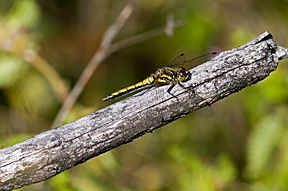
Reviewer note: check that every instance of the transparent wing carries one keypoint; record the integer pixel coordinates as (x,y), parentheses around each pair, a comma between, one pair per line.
(182,61)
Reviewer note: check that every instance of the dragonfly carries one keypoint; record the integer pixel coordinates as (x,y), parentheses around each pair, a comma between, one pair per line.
(163,76)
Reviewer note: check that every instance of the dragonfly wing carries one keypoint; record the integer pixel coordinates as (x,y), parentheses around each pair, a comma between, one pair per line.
(182,61)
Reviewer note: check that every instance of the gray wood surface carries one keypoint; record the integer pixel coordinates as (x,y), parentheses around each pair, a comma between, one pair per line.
(49,153)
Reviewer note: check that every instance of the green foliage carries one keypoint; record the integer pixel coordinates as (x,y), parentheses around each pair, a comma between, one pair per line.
(21,16)
(200,175)
(24,13)
(194,153)
(61,182)
(262,142)
(11,70)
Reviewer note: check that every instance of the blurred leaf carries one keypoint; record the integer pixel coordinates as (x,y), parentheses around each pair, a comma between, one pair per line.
(259,187)
(23,13)
(200,175)
(11,69)
(275,88)
(240,36)
(226,170)
(262,142)
(280,172)
(60,182)
(196,33)
(32,95)
(109,162)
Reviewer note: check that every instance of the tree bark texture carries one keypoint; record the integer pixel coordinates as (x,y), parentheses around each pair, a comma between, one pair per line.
(49,153)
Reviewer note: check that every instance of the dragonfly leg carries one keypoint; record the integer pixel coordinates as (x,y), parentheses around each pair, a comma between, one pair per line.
(169,90)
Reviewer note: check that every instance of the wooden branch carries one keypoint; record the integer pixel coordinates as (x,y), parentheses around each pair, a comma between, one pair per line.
(56,150)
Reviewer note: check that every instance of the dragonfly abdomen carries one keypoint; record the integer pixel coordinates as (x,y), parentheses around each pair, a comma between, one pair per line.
(162,76)
(148,81)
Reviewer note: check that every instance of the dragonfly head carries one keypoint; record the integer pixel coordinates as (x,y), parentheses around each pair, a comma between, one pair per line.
(183,75)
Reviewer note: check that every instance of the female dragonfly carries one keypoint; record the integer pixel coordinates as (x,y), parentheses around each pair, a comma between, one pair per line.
(162,76)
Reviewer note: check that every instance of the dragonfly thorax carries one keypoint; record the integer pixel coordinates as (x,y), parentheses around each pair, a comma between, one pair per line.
(169,75)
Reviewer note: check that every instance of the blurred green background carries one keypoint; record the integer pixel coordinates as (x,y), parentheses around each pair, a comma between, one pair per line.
(239,144)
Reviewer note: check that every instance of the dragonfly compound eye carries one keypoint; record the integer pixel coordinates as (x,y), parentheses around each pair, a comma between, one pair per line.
(183,75)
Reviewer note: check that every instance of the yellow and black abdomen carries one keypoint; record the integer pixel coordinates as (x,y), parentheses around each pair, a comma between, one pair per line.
(148,81)
(162,76)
